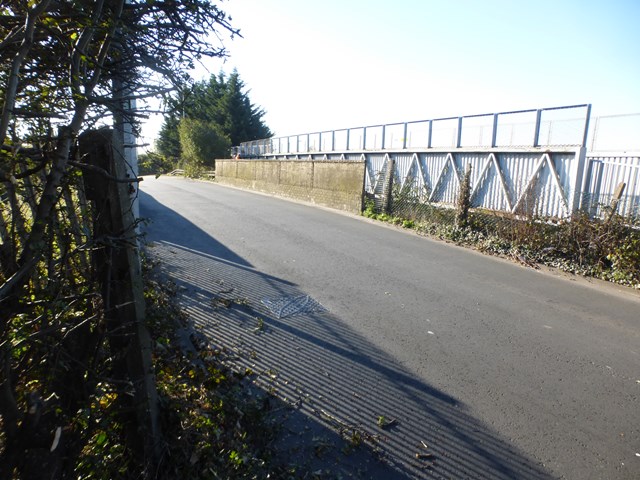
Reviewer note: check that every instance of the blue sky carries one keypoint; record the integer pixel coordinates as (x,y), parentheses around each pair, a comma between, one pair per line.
(320,65)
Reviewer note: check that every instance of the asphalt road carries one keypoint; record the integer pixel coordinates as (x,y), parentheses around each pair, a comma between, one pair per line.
(502,371)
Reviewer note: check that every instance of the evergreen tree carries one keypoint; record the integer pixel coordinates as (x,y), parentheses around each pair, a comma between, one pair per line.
(168,143)
(219,100)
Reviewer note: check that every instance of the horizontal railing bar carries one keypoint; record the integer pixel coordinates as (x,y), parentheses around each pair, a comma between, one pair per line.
(302,140)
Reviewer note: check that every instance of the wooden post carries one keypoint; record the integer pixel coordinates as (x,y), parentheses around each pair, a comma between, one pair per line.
(617,195)
(388,185)
(119,271)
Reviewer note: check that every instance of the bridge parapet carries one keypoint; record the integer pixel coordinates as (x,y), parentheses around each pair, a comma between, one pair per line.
(557,126)
(528,161)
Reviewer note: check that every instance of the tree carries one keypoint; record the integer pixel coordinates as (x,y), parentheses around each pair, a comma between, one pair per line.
(202,142)
(219,100)
(242,119)
(67,67)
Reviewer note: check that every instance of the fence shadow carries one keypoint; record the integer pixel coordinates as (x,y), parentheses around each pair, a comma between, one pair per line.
(342,391)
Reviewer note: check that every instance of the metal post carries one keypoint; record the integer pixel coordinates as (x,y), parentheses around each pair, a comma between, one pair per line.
(333,140)
(364,138)
(430,133)
(404,136)
(586,126)
(494,133)
(384,136)
(459,133)
(348,137)
(320,142)
(578,176)
(536,136)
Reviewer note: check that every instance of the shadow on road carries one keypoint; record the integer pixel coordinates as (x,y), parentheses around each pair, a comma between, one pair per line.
(341,389)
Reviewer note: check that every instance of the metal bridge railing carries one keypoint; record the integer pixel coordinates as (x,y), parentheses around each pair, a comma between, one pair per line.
(556,126)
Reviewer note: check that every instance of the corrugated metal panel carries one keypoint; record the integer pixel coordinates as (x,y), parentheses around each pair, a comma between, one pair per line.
(403,166)
(375,168)
(606,172)
(490,193)
(531,182)
(432,164)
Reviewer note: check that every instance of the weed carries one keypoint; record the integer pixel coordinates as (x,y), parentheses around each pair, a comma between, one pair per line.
(609,250)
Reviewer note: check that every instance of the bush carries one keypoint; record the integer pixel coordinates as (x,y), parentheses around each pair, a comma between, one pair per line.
(152,163)
(201,143)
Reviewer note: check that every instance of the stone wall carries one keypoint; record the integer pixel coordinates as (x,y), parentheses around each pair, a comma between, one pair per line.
(334,184)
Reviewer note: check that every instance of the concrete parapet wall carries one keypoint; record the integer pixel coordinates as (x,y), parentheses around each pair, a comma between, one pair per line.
(334,184)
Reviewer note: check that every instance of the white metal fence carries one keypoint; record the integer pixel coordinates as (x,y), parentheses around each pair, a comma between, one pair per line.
(556,126)
(531,161)
(545,184)
(605,172)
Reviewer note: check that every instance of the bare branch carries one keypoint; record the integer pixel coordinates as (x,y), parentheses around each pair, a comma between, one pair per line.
(104,173)
(12,84)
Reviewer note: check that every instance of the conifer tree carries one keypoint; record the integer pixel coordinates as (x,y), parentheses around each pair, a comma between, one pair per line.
(220,100)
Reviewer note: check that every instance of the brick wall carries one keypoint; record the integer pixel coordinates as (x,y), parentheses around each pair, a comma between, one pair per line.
(335,184)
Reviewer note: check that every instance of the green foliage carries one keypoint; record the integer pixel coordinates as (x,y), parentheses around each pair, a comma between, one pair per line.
(220,101)
(65,372)
(152,163)
(168,142)
(370,208)
(202,142)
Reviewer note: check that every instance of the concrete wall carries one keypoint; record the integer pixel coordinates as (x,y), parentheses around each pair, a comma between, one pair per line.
(335,184)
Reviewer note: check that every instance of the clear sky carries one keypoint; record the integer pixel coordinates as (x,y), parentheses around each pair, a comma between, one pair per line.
(327,64)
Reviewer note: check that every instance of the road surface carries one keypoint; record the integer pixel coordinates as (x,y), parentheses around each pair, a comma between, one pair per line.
(400,341)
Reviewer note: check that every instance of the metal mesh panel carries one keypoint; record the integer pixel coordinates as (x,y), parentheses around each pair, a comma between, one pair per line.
(477,131)
(615,133)
(394,138)
(418,135)
(516,129)
(374,138)
(562,127)
(444,133)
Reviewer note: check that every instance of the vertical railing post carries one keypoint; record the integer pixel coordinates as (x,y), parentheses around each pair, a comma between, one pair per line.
(587,119)
(384,136)
(578,184)
(308,142)
(536,136)
(430,134)
(348,138)
(494,132)
(333,140)
(404,136)
(320,142)
(459,133)
(364,138)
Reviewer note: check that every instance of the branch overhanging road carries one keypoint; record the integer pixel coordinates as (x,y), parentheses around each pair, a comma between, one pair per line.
(500,370)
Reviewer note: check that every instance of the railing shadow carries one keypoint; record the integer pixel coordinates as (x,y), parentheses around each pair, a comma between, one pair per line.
(336,382)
